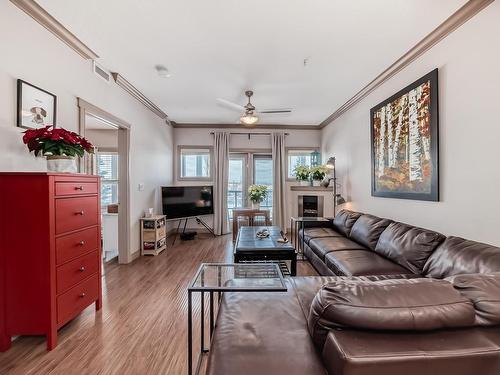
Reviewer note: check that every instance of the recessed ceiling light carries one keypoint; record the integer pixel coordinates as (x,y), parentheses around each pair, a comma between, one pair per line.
(162,71)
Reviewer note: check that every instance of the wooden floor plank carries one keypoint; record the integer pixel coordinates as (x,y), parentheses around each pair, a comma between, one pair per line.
(142,328)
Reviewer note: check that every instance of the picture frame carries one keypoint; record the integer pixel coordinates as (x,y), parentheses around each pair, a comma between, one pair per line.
(404,134)
(36,107)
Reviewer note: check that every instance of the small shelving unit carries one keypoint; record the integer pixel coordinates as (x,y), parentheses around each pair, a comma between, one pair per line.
(153,235)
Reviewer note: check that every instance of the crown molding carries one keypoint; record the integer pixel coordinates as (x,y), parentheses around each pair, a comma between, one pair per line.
(457,19)
(133,91)
(40,15)
(241,126)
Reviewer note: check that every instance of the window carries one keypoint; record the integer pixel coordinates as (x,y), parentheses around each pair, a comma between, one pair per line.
(263,175)
(298,157)
(194,163)
(107,168)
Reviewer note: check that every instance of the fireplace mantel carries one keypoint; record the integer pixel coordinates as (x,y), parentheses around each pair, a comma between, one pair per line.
(310,188)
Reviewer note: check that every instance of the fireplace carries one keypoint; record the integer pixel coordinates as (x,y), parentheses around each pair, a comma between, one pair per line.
(310,206)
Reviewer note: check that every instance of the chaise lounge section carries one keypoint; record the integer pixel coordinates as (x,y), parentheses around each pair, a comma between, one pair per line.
(444,293)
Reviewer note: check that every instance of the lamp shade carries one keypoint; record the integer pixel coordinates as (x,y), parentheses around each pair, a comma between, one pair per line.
(331,163)
(249,119)
(340,199)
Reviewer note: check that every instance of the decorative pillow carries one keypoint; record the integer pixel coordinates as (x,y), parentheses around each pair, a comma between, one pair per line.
(344,221)
(408,246)
(367,230)
(412,305)
(484,292)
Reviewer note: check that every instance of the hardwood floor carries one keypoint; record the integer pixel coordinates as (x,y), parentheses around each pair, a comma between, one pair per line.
(142,326)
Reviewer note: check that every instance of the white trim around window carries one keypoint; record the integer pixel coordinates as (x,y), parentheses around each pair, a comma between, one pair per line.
(194,150)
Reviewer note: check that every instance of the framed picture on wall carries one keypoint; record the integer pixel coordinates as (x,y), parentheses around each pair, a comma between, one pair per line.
(405,142)
(36,107)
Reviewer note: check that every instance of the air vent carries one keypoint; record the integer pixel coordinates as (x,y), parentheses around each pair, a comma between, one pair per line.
(101,72)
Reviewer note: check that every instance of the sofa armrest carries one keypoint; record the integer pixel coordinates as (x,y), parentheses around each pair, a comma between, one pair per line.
(388,305)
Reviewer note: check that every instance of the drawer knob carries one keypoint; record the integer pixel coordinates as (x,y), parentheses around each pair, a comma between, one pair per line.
(81,243)
(82,268)
(79,188)
(81,213)
(82,295)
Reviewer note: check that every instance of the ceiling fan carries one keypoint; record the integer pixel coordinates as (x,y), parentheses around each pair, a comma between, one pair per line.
(249,116)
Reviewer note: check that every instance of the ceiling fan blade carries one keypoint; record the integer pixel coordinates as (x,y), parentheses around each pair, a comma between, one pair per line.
(276,111)
(230,105)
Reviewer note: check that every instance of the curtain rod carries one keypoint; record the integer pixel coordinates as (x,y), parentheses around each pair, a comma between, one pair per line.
(241,133)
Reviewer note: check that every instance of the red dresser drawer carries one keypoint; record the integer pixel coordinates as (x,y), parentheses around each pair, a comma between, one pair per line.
(75,213)
(76,188)
(76,299)
(76,244)
(73,272)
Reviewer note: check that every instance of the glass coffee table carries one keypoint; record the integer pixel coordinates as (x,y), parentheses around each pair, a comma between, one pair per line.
(218,278)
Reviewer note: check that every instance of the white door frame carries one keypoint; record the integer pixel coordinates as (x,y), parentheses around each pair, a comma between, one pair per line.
(88,109)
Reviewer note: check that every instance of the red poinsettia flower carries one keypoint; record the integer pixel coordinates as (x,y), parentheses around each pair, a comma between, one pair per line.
(50,141)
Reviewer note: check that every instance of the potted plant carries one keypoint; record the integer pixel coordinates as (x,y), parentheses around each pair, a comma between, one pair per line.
(302,174)
(59,146)
(318,174)
(257,194)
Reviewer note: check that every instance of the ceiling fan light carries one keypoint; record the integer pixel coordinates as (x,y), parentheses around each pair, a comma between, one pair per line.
(249,119)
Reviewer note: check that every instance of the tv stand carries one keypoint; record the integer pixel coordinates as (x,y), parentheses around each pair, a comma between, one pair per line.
(200,221)
(185,219)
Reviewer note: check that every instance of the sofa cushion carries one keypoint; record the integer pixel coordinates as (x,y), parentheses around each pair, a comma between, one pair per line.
(396,305)
(457,256)
(306,287)
(322,246)
(344,221)
(442,352)
(310,233)
(408,246)
(262,333)
(484,292)
(317,262)
(367,230)
(362,262)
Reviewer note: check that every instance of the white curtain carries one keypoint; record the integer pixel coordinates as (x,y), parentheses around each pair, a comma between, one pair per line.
(279,188)
(221,175)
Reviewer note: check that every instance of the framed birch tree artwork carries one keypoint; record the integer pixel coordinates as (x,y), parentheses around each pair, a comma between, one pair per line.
(405,142)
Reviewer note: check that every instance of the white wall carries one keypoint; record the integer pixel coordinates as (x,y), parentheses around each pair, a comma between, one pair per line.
(469,95)
(103,139)
(31,53)
(296,138)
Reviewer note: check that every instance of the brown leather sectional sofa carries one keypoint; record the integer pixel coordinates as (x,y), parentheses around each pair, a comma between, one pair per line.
(392,299)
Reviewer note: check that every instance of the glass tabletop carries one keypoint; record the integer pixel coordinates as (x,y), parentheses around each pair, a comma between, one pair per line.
(239,277)
(310,218)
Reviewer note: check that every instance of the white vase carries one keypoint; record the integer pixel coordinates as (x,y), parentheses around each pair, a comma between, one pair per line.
(316,182)
(304,183)
(61,164)
(256,205)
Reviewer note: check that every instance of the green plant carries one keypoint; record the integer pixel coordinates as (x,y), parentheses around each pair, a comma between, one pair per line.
(257,193)
(302,172)
(319,172)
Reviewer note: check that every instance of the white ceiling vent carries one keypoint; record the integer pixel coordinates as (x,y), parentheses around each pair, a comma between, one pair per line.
(101,72)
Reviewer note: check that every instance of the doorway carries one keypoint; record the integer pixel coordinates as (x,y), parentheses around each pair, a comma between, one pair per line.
(245,169)
(111,137)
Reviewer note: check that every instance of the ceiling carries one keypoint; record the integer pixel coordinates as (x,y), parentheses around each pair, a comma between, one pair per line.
(218,49)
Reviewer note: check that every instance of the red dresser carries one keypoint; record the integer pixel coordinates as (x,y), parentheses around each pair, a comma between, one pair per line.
(50,250)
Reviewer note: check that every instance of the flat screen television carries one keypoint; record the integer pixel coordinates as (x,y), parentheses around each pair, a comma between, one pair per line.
(187,201)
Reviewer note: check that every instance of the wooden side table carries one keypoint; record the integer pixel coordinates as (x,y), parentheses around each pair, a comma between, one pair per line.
(251,214)
(153,235)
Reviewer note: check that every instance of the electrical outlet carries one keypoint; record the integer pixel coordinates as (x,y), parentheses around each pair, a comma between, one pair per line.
(141,187)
